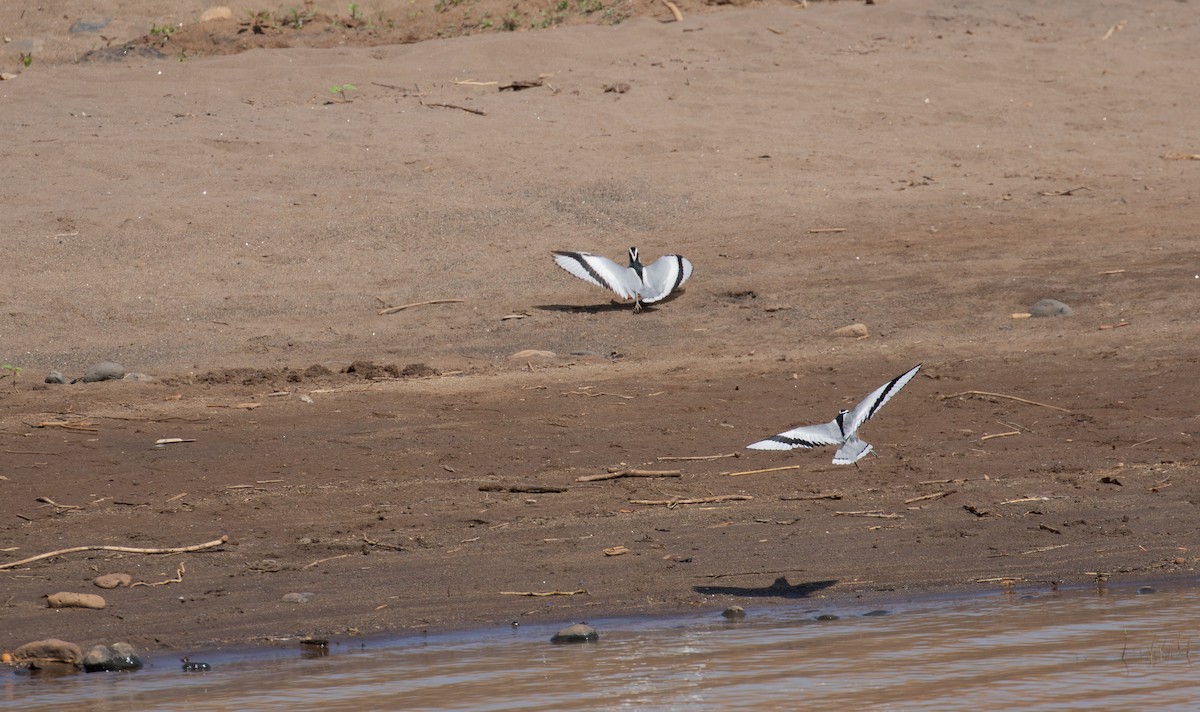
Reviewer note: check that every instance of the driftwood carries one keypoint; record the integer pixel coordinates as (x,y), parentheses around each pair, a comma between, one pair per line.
(402,307)
(628,473)
(525,489)
(1001,395)
(583,591)
(803,497)
(122,549)
(666,458)
(178,578)
(875,513)
(769,469)
(674,10)
(935,495)
(697,500)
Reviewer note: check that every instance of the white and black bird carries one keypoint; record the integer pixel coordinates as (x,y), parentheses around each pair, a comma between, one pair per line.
(646,284)
(842,430)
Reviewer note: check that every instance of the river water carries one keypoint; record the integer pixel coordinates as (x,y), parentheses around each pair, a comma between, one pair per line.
(1119,649)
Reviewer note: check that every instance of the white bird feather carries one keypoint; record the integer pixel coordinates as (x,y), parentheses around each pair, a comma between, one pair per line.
(644,284)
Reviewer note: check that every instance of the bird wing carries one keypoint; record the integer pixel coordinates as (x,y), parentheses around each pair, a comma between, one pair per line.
(600,271)
(806,436)
(851,451)
(867,406)
(663,276)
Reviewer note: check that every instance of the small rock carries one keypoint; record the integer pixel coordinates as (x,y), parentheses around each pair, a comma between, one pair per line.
(1050,307)
(827,617)
(50,650)
(138,377)
(90,24)
(297,597)
(854,331)
(120,657)
(56,377)
(1179,561)
(876,612)
(218,12)
(578,633)
(103,371)
(112,580)
(734,613)
(1145,590)
(532,353)
(67,599)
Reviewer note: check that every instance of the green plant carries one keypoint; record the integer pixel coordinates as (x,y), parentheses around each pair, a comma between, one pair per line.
(26,59)
(298,17)
(355,12)
(162,32)
(14,371)
(511,21)
(342,89)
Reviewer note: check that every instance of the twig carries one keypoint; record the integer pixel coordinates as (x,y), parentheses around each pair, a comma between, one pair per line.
(1062,193)
(122,549)
(953,481)
(1026,499)
(583,591)
(525,489)
(826,495)
(80,425)
(402,307)
(666,458)
(769,469)
(818,230)
(178,578)
(473,83)
(628,473)
(1143,442)
(935,495)
(469,110)
(380,544)
(872,513)
(1001,395)
(321,561)
(28,452)
(1007,580)
(699,500)
(1000,435)
(593,395)
(674,10)
(52,503)
(1040,549)
(1106,327)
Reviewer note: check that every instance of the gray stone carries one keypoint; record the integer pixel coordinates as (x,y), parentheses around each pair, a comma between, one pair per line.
(1050,307)
(103,371)
(90,24)
(56,377)
(734,613)
(578,633)
(297,597)
(121,657)
(138,377)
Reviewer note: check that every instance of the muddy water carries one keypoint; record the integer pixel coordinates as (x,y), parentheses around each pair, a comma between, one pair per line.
(1086,650)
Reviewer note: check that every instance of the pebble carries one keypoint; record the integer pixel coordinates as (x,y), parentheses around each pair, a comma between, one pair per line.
(1050,307)
(103,371)
(121,657)
(876,612)
(297,597)
(56,377)
(138,377)
(827,617)
(1143,590)
(532,353)
(853,331)
(50,650)
(218,12)
(89,24)
(112,580)
(734,612)
(67,599)
(578,633)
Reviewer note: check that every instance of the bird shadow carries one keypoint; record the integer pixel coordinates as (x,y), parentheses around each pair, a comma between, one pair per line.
(779,588)
(612,306)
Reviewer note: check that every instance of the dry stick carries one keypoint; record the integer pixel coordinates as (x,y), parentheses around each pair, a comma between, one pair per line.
(769,469)
(935,495)
(826,495)
(872,513)
(1000,435)
(818,230)
(1044,548)
(698,500)
(944,482)
(1026,499)
(28,452)
(628,473)
(52,503)
(178,578)
(122,549)
(584,591)
(402,307)
(321,561)
(674,10)
(469,110)
(1143,442)
(666,458)
(593,395)
(1001,395)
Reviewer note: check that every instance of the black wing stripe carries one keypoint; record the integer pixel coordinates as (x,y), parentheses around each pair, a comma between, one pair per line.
(588,268)
(795,442)
(678,273)
(883,396)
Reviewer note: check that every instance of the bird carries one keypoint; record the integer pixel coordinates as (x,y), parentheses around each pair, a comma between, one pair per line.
(842,430)
(645,284)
